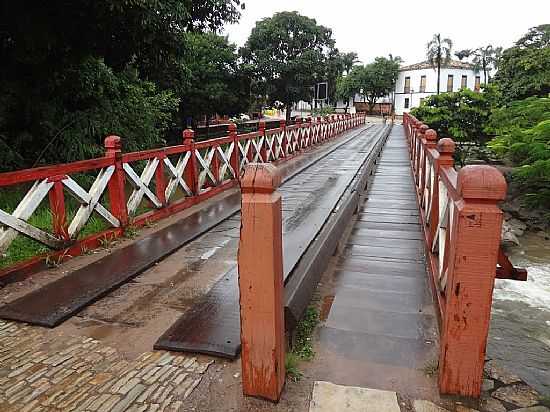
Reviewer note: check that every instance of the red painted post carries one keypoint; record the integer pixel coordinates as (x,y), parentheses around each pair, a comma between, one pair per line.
(445,160)
(420,152)
(57,207)
(261,288)
(282,125)
(160,180)
(116,189)
(191,175)
(235,157)
(263,148)
(320,133)
(476,230)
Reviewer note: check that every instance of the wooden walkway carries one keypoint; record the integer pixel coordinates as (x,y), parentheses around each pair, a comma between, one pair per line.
(380,330)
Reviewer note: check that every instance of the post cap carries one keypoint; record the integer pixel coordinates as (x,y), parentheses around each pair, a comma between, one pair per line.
(446,146)
(260,178)
(423,127)
(481,182)
(430,135)
(188,134)
(113,142)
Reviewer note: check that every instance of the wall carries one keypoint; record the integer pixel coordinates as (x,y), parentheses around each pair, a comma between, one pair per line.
(431,85)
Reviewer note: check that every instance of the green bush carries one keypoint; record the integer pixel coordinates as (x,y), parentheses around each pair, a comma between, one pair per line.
(462,116)
(522,132)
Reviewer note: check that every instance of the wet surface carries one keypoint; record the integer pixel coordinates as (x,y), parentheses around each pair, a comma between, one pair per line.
(308,198)
(380,330)
(59,300)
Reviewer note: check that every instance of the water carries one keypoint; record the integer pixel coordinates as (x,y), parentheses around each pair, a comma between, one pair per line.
(520,326)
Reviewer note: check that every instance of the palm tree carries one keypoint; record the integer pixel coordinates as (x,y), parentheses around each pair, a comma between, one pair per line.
(439,53)
(349,60)
(485,59)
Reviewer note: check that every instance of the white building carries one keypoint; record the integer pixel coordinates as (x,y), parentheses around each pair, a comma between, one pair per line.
(418,81)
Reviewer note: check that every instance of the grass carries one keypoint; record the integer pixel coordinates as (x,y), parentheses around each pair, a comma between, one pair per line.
(291,366)
(431,367)
(23,248)
(302,344)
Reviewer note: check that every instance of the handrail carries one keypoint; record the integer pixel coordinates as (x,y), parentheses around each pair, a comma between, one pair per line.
(462,228)
(138,187)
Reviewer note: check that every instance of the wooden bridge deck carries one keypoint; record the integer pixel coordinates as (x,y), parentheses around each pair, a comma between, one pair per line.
(381,328)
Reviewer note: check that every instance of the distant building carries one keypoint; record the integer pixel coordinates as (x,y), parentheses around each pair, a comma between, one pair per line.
(418,81)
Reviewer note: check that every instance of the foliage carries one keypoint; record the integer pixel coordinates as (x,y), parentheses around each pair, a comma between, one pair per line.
(438,53)
(74,72)
(349,60)
(376,79)
(286,54)
(302,345)
(461,115)
(523,136)
(524,69)
(484,59)
(291,367)
(211,63)
(322,111)
(345,89)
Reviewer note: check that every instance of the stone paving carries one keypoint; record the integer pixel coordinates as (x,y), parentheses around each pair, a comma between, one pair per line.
(41,372)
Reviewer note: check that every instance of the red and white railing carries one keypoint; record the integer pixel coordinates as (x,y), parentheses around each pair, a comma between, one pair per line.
(148,185)
(462,229)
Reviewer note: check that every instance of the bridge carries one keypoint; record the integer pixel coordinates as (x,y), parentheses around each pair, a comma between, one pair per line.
(412,245)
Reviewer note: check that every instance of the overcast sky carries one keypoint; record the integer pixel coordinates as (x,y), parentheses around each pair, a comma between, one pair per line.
(377,28)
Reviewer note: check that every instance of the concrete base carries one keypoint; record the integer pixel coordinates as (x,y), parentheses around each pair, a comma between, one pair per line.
(328,397)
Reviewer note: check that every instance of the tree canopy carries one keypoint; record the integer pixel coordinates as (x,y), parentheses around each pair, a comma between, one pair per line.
(287,54)
(375,80)
(73,72)
(524,69)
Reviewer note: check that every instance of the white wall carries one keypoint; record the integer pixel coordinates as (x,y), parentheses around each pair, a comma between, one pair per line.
(431,85)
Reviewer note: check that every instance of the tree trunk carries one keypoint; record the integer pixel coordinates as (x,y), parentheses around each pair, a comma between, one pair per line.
(288,112)
(438,73)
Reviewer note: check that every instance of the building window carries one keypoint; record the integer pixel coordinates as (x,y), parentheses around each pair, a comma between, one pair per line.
(406,102)
(464,82)
(422,84)
(450,83)
(407,85)
(478,83)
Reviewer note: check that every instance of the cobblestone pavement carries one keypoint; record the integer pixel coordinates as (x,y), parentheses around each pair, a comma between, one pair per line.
(41,372)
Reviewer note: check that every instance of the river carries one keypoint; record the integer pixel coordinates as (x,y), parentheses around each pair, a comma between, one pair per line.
(519,338)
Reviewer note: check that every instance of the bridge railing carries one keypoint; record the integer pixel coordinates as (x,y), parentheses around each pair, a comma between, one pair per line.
(136,188)
(462,228)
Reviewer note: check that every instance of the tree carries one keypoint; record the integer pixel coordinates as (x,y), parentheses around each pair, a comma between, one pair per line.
(376,79)
(209,78)
(439,54)
(484,59)
(287,53)
(73,72)
(461,115)
(522,136)
(524,69)
(349,60)
(346,89)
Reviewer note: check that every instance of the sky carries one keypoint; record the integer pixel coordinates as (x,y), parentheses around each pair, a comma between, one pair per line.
(402,28)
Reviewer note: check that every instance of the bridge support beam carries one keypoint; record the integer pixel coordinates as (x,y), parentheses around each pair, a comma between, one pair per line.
(261,287)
